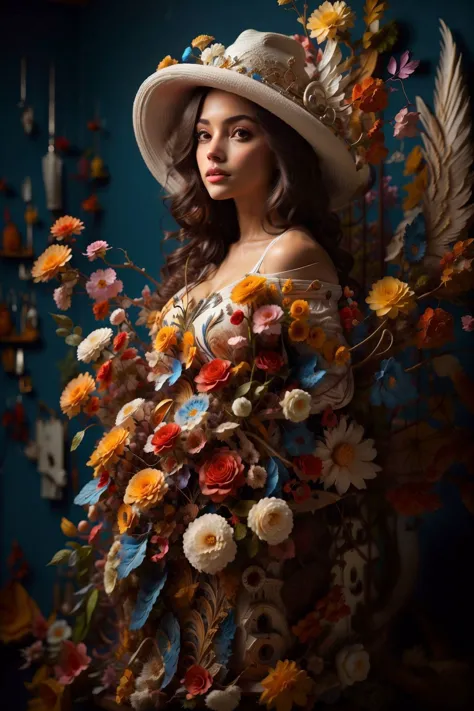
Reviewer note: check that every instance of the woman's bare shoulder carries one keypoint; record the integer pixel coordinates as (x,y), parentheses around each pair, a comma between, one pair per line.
(297,250)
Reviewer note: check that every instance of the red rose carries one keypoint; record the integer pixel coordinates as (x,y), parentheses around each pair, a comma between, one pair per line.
(237,317)
(310,466)
(197,680)
(271,361)
(213,375)
(120,340)
(221,475)
(329,417)
(165,437)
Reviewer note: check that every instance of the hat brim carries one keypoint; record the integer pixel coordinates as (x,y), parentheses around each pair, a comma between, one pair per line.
(163,96)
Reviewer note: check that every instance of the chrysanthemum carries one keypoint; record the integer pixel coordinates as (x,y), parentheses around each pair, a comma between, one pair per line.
(146,488)
(66,227)
(166,338)
(110,448)
(208,543)
(347,457)
(329,19)
(125,518)
(91,347)
(76,394)
(285,686)
(271,519)
(299,309)
(167,61)
(96,249)
(104,285)
(390,296)
(50,262)
(248,289)
(192,412)
(132,409)
(298,330)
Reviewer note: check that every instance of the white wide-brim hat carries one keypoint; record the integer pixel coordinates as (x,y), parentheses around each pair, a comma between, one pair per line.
(277,59)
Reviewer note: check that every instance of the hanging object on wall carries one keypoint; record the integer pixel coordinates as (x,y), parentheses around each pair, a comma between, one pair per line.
(11,243)
(48,450)
(31,215)
(52,163)
(27,115)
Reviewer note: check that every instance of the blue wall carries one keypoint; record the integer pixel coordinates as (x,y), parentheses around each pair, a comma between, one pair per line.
(103,52)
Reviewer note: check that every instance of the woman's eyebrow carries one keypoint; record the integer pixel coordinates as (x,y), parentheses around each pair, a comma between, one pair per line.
(230,119)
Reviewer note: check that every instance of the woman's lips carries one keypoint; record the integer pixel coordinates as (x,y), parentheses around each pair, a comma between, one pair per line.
(216,178)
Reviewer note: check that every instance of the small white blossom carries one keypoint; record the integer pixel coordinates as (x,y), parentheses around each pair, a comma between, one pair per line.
(242,407)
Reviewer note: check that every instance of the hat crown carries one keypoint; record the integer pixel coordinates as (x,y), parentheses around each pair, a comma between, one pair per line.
(279,58)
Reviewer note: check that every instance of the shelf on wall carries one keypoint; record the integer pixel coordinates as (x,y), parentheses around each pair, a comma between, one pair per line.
(24,254)
(17,339)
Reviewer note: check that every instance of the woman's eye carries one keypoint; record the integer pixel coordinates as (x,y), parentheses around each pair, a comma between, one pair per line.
(199,134)
(244,134)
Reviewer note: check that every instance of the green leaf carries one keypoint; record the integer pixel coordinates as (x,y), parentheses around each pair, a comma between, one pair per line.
(240,531)
(73,339)
(74,544)
(77,439)
(243,389)
(253,546)
(80,628)
(91,605)
(242,508)
(61,556)
(62,332)
(62,321)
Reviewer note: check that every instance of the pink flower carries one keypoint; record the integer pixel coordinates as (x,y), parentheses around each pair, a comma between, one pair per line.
(237,341)
(195,440)
(467,322)
(405,124)
(32,653)
(72,661)
(313,55)
(163,546)
(104,285)
(96,249)
(62,298)
(266,319)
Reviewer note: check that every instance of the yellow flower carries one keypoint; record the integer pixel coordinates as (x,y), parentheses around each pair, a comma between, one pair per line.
(316,337)
(287,286)
(329,349)
(48,694)
(285,686)
(329,19)
(284,2)
(125,687)
(168,61)
(298,331)
(342,356)
(146,488)
(286,301)
(415,189)
(68,528)
(125,518)
(166,338)
(389,296)
(50,262)
(17,612)
(241,368)
(247,290)
(76,394)
(299,309)
(109,449)
(202,41)
(413,161)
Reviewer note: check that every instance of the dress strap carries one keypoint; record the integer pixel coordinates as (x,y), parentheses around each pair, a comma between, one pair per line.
(256,268)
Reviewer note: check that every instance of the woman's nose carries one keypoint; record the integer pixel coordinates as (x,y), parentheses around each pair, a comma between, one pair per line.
(215,152)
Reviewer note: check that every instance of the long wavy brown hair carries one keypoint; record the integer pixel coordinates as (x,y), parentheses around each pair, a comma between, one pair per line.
(207,227)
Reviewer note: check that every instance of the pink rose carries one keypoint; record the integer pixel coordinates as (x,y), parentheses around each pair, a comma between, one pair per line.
(405,124)
(266,319)
(72,661)
(197,680)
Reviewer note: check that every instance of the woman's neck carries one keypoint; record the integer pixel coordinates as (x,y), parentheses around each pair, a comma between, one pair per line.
(251,215)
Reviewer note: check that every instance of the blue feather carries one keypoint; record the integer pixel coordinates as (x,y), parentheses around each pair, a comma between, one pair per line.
(224,638)
(132,553)
(150,588)
(304,371)
(91,492)
(169,643)
(277,474)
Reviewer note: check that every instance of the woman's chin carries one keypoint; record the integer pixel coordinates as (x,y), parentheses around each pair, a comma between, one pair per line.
(220,192)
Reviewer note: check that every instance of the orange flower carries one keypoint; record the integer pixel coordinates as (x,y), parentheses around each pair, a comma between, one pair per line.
(66,227)
(76,394)
(329,349)
(287,286)
(104,374)
(241,368)
(247,290)
(273,292)
(50,262)
(414,499)
(197,681)
(342,356)
(166,338)
(461,246)
(213,375)
(125,687)
(91,204)
(120,340)
(375,132)
(17,612)
(286,301)
(146,488)
(168,61)
(413,161)
(298,331)
(110,449)
(316,337)
(165,437)
(188,348)
(299,309)
(308,628)
(285,686)
(435,328)
(389,296)
(101,310)
(370,94)
(125,518)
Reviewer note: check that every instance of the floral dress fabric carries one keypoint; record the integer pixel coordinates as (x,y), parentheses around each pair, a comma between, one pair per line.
(209,321)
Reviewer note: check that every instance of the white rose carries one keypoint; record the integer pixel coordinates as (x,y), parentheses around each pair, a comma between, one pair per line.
(271,519)
(208,543)
(352,664)
(242,407)
(226,700)
(296,405)
(117,317)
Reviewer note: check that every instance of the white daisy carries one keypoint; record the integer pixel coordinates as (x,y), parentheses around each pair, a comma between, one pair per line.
(347,457)
(208,543)
(213,53)
(132,410)
(58,632)
(92,346)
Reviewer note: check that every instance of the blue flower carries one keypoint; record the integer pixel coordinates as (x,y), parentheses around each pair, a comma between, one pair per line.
(415,240)
(187,54)
(299,440)
(191,412)
(306,373)
(392,385)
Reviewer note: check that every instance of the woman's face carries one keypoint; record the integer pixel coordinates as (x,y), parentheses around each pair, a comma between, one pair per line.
(230,140)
